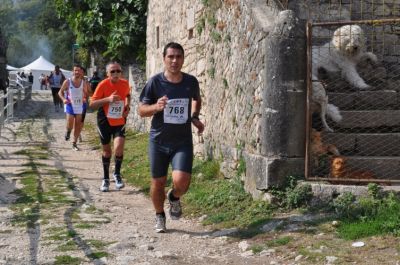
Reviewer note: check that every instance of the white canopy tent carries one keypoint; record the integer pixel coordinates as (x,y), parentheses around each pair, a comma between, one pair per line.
(11,68)
(41,66)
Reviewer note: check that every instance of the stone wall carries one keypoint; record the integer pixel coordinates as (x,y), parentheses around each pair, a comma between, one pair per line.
(226,44)
(137,81)
(250,59)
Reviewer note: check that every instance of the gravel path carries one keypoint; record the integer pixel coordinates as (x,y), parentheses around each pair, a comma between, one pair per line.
(68,217)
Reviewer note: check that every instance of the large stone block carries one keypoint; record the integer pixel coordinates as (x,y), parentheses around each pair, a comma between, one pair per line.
(265,172)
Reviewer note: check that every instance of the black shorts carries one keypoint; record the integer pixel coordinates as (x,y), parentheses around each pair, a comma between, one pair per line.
(106,131)
(180,155)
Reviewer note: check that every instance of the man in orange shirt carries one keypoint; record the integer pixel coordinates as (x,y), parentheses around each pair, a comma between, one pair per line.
(112,97)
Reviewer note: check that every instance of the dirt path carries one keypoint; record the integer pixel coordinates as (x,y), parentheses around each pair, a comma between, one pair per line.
(67,217)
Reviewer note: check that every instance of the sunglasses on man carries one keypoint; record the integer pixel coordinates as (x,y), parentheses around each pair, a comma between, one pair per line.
(115,71)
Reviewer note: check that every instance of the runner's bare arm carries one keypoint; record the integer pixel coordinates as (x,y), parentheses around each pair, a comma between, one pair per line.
(94,104)
(147,110)
(196,107)
(62,90)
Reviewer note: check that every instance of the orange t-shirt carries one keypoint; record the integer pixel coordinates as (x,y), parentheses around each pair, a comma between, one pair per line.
(104,89)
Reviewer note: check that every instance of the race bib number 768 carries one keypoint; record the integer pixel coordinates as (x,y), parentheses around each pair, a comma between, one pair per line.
(176,111)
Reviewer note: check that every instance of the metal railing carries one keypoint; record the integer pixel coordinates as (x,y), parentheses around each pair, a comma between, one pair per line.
(19,91)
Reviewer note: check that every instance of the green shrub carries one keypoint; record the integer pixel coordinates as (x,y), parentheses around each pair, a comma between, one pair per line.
(299,196)
(291,195)
(344,204)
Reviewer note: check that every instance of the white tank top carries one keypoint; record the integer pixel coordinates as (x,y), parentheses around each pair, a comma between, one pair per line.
(75,95)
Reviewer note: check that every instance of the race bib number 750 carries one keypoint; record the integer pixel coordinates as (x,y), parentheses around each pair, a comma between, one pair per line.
(115,110)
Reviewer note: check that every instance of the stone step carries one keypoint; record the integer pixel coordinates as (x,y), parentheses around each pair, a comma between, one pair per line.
(369,119)
(383,167)
(366,100)
(365,144)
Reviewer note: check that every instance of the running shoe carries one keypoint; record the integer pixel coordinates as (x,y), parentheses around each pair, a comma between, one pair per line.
(75,147)
(160,224)
(105,185)
(175,209)
(119,184)
(67,135)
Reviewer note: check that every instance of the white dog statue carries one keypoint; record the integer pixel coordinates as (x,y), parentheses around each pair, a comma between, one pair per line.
(340,55)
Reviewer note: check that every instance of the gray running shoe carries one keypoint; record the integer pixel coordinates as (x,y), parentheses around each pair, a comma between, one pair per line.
(105,185)
(75,147)
(175,209)
(119,184)
(160,224)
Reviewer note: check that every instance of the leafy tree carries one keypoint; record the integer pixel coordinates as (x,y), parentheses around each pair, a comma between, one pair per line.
(32,28)
(114,29)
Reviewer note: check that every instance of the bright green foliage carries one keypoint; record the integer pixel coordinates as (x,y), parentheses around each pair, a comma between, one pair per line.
(115,29)
(224,201)
(368,215)
(292,194)
(32,28)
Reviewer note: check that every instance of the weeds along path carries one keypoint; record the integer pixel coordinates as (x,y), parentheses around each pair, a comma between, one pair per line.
(52,212)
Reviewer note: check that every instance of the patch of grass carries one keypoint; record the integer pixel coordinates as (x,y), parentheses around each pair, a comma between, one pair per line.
(215,36)
(98,244)
(225,83)
(58,235)
(68,246)
(71,233)
(370,215)
(33,154)
(291,194)
(136,166)
(257,248)
(67,260)
(211,72)
(225,202)
(201,25)
(279,241)
(98,255)
(282,241)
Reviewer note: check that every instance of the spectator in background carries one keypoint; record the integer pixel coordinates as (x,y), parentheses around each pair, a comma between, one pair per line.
(3,85)
(94,81)
(30,78)
(23,75)
(56,79)
(42,82)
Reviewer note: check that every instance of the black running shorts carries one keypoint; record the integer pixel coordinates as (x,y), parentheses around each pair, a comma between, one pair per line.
(106,131)
(180,155)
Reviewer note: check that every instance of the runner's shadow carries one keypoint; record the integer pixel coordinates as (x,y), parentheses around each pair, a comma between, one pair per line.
(7,187)
(179,231)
